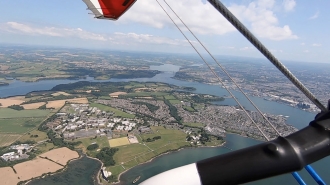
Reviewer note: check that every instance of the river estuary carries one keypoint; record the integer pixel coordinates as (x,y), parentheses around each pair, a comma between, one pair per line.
(297,117)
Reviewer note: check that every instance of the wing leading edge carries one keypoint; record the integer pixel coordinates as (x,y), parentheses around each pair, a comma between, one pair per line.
(109,9)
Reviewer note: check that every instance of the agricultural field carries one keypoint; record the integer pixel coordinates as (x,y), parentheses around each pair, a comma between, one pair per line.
(27,71)
(11,101)
(117,112)
(8,176)
(32,106)
(7,139)
(175,101)
(19,125)
(35,168)
(11,113)
(119,142)
(116,94)
(40,165)
(60,93)
(14,124)
(60,155)
(56,104)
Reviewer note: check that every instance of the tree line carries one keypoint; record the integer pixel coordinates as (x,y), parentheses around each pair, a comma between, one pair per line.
(173,111)
(106,156)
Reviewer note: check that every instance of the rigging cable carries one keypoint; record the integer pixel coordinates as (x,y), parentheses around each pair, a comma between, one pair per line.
(215,74)
(295,174)
(248,35)
(225,71)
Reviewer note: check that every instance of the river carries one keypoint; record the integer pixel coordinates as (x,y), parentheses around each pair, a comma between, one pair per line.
(297,117)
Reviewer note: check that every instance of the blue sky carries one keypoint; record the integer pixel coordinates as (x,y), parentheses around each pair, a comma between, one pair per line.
(292,30)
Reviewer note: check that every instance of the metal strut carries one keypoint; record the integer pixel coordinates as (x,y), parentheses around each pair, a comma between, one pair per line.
(248,35)
(280,156)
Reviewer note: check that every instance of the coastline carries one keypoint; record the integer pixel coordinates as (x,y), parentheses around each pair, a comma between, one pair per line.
(98,180)
(165,153)
(54,173)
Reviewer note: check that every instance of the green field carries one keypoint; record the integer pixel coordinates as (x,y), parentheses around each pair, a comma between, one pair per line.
(13,124)
(214,142)
(117,112)
(119,142)
(10,113)
(169,97)
(44,147)
(167,136)
(29,136)
(105,98)
(116,170)
(134,154)
(130,164)
(128,152)
(7,139)
(19,125)
(175,101)
(188,108)
(134,85)
(101,141)
(200,125)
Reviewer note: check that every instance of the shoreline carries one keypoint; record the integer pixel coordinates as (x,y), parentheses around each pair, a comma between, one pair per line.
(132,79)
(165,153)
(99,171)
(54,173)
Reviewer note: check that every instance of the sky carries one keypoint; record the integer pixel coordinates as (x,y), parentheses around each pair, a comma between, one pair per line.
(292,30)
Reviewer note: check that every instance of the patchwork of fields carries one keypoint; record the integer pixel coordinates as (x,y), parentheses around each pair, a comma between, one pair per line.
(14,124)
(17,124)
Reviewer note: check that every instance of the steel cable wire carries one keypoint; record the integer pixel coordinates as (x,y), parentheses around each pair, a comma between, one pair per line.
(264,135)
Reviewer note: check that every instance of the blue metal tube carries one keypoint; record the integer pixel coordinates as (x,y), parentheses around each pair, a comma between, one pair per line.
(315,176)
(298,178)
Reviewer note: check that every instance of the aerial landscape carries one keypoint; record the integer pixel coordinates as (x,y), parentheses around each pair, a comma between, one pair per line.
(123,124)
(89,101)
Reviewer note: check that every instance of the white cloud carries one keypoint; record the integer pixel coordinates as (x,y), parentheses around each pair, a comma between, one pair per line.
(306,51)
(115,38)
(133,38)
(316,15)
(289,5)
(202,18)
(20,28)
(316,45)
(303,44)
(263,20)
